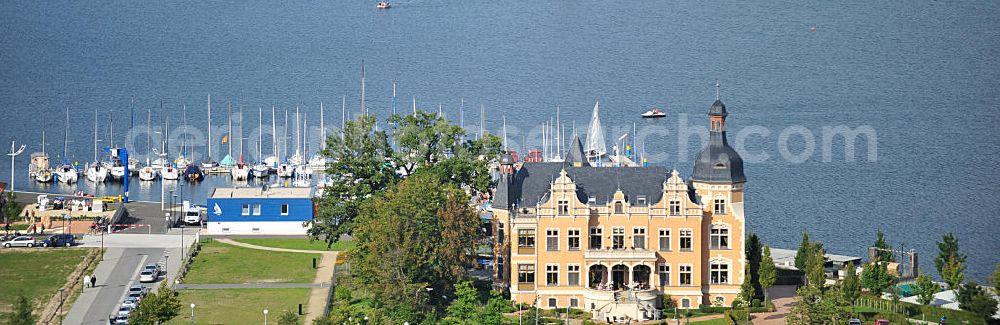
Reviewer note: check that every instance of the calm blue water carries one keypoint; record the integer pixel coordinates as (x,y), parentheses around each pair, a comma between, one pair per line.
(923,75)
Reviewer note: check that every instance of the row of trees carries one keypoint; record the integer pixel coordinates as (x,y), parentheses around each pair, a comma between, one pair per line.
(821,304)
(407,207)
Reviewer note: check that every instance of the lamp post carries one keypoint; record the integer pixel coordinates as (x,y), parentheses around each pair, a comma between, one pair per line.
(61,300)
(173,200)
(265,316)
(166,266)
(13,153)
(192,313)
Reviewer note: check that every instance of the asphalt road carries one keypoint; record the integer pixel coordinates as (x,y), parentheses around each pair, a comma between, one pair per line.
(119,270)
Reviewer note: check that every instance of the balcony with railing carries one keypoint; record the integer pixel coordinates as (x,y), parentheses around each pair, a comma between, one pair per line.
(620,254)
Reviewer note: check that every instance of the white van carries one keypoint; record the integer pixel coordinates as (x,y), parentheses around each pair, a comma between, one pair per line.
(192,214)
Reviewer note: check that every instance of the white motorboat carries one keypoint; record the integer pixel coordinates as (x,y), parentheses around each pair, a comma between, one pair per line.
(181,162)
(240,172)
(133,166)
(383,5)
(260,170)
(654,113)
(117,169)
(169,172)
(304,170)
(67,174)
(97,173)
(285,170)
(43,175)
(39,161)
(147,173)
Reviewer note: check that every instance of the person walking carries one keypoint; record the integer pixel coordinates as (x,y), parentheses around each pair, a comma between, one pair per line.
(86,281)
(93,281)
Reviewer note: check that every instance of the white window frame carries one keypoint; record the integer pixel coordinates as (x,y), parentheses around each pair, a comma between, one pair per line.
(715,275)
(599,234)
(573,269)
(552,236)
(285,209)
(716,239)
(719,205)
(573,233)
(635,235)
(614,234)
(562,207)
(670,207)
(659,239)
(255,208)
(681,272)
(552,269)
(246,209)
(690,235)
(660,270)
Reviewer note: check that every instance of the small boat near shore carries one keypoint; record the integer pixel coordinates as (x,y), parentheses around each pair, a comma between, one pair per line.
(383,5)
(654,113)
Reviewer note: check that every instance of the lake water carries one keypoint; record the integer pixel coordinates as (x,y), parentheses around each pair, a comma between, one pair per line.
(921,75)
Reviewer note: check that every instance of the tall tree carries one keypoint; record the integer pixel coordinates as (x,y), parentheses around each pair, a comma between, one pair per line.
(466,305)
(10,209)
(883,252)
(818,307)
(947,247)
(768,273)
(851,286)
(876,277)
(804,252)
(496,306)
(925,288)
(816,268)
(747,289)
(953,272)
(157,308)
(753,253)
(22,312)
(973,298)
(363,168)
(995,280)
(398,257)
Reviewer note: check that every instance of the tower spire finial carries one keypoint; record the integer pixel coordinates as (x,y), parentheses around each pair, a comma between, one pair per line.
(717,89)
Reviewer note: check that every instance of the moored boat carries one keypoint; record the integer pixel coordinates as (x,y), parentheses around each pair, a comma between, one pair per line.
(654,113)
(383,5)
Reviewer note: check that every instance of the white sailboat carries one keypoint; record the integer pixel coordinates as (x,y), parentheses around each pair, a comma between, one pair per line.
(43,173)
(272,160)
(285,169)
(148,172)
(96,172)
(168,171)
(318,161)
(260,169)
(66,173)
(303,169)
(596,147)
(115,166)
(133,161)
(209,163)
(182,161)
(241,171)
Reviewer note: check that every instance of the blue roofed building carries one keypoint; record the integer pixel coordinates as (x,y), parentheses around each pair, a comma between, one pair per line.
(260,211)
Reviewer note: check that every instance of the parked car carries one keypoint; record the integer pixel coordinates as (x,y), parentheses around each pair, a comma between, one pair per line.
(155,268)
(881,321)
(21,241)
(121,320)
(124,311)
(138,288)
(134,295)
(59,240)
(854,321)
(130,303)
(147,276)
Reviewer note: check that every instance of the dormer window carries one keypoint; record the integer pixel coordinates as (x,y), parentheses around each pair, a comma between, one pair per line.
(720,166)
(640,200)
(591,200)
(619,208)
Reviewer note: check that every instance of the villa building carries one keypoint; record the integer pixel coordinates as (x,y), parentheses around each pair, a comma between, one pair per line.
(612,240)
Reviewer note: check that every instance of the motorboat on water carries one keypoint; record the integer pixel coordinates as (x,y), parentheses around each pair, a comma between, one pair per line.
(39,161)
(654,113)
(285,170)
(97,172)
(193,173)
(240,172)
(117,170)
(383,5)
(260,170)
(170,173)
(133,166)
(147,173)
(44,175)
(66,174)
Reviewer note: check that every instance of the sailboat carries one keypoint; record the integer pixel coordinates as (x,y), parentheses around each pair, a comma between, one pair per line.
(43,173)
(303,169)
(260,169)
(148,172)
(285,169)
(241,171)
(66,173)
(168,170)
(115,165)
(209,163)
(318,162)
(96,172)
(596,147)
(182,162)
(272,160)
(133,163)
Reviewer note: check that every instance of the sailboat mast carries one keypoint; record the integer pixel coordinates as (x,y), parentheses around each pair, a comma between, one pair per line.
(505,134)
(558,135)
(482,120)
(305,135)
(298,137)
(66,138)
(241,133)
(149,132)
(461,117)
(209,140)
(322,128)
(184,119)
(95,135)
(229,116)
(393,98)
(131,123)
(364,110)
(274,134)
(260,133)
(284,139)
(414,105)
(343,117)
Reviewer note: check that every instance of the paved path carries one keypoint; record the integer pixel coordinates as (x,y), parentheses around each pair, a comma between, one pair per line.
(783,298)
(254,286)
(124,257)
(324,274)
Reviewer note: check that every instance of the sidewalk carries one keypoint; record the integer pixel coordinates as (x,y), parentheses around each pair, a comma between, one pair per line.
(324,274)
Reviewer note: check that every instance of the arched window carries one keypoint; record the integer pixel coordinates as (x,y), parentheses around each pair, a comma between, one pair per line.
(619,208)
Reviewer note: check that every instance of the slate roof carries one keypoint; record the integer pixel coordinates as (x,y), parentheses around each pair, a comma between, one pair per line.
(718,109)
(575,154)
(531,183)
(718,162)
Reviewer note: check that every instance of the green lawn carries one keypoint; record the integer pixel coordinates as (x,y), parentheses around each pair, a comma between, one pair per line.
(222,263)
(717,321)
(238,306)
(35,273)
(298,243)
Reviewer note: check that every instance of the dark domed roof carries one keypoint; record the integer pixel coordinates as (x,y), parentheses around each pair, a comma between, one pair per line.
(718,109)
(718,162)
